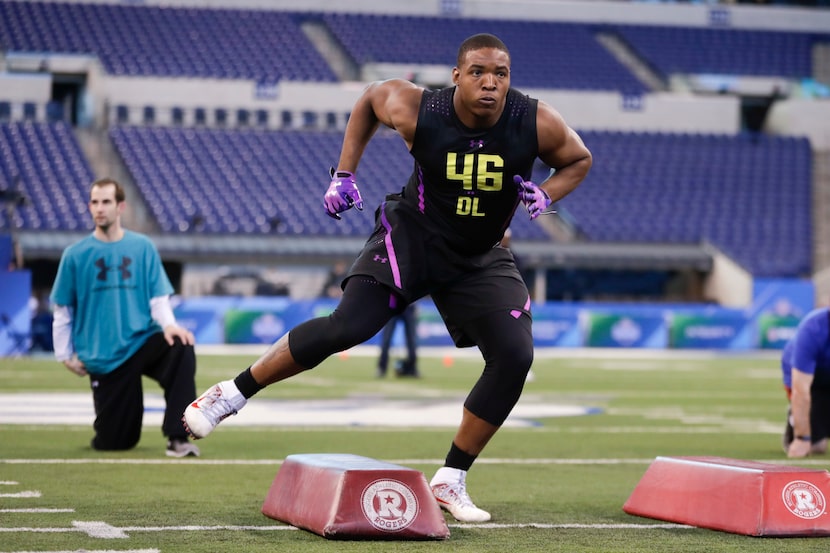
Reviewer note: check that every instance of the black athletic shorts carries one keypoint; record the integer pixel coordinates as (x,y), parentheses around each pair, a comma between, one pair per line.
(414,261)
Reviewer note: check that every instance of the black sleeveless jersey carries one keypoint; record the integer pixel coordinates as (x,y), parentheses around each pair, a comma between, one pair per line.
(463,178)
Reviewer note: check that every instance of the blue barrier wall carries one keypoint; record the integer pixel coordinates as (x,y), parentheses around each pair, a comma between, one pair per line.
(15,315)
(767,324)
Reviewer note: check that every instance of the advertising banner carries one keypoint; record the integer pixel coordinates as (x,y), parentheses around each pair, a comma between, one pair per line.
(775,330)
(431,330)
(620,330)
(704,331)
(556,326)
(253,327)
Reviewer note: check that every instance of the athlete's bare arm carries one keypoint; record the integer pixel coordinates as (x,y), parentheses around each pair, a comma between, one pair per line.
(562,149)
(800,403)
(393,103)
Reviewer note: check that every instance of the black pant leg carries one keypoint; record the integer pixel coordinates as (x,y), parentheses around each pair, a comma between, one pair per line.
(119,408)
(174,368)
(411,328)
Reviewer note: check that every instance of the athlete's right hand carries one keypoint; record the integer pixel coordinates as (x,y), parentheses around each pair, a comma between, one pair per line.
(342,194)
(536,200)
(76,366)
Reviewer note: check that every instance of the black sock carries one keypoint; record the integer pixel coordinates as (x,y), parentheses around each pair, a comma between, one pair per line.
(246,383)
(458,459)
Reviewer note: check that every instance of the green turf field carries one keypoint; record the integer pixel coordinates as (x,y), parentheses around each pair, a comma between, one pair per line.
(556,486)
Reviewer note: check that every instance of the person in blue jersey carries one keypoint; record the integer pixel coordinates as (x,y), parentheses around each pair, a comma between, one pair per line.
(805,368)
(114,323)
(474,145)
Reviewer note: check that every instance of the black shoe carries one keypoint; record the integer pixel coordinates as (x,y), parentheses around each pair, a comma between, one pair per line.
(406,369)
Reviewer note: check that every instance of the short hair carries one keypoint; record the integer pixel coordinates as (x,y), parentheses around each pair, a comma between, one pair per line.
(120,195)
(477,42)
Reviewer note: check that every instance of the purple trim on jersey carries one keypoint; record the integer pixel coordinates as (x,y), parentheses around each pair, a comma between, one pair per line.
(516,313)
(393,301)
(421,203)
(390,248)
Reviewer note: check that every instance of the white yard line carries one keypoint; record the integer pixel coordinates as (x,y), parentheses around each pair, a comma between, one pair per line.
(480,461)
(105,531)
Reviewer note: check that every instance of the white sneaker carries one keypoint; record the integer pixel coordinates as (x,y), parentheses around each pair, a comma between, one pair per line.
(218,403)
(181,448)
(450,490)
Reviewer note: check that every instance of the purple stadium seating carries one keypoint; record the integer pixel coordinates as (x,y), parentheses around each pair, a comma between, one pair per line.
(723,51)
(749,195)
(46,164)
(543,54)
(259,182)
(266,46)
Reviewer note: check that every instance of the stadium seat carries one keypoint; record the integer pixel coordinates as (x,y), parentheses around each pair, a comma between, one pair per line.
(148,115)
(261,118)
(220,116)
(177,116)
(243,117)
(29,111)
(122,114)
(200,116)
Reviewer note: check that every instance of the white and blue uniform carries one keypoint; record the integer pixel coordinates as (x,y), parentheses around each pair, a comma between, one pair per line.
(809,352)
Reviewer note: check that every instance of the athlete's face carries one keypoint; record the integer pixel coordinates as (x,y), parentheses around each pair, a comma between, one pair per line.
(103,206)
(481,86)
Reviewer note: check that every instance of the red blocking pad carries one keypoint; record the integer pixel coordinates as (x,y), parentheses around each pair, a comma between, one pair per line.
(743,497)
(343,496)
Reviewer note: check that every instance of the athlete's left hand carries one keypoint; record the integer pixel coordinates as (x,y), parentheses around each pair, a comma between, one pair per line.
(535,199)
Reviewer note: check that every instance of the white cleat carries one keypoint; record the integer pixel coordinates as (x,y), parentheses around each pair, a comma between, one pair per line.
(450,490)
(215,405)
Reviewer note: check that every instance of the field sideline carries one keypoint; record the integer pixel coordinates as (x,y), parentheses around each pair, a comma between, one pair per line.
(554,481)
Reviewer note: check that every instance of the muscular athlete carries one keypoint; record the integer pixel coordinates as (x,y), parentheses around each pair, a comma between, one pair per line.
(473,145)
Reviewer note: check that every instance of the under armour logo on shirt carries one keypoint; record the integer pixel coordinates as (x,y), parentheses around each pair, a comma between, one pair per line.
(476,143)
(103,268)
(380,259)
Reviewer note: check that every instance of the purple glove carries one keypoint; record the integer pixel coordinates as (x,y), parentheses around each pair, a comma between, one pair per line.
(342,194)
(535,199)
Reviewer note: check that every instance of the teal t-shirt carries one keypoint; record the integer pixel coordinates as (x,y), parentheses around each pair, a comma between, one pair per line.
(109,286)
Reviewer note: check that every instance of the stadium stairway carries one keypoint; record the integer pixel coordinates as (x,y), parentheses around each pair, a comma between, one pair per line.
(105,162)
(821,62)
(618,48)
(343,65)
(821,211)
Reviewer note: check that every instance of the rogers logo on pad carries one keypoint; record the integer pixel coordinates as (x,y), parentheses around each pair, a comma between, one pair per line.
(803,499)
(389,505)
